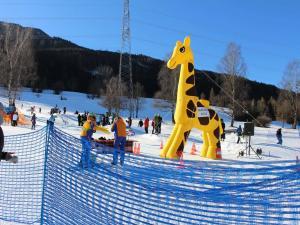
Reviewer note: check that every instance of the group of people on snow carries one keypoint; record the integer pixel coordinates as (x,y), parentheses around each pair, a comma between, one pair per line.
(155,123)
(90,126)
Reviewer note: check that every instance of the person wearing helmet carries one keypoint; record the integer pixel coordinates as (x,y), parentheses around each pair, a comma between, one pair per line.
(88,128)
(119,127)
(7,156)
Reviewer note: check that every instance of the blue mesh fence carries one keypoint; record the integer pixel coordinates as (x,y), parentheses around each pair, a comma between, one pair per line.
(147,190)
(21,184)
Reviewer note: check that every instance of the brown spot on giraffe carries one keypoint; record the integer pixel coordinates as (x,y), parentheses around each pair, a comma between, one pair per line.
(191,108)
(217,132)
(186,135)
(211,113)
(190,67)
(216,117)
(192,91)
(190,79)
(190,114)
(199,104)
(203,120)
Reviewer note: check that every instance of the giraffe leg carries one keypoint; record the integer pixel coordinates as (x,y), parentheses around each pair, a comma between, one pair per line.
(214,143)
(179,141)
(205,144)
(169,142)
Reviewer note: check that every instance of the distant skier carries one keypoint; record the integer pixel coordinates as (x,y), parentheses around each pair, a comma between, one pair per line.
(141,123)
(15,119)
(88,128)
(129,121)
(79,119)
(223,127)
(153,125)
(7,156)
(239,133)
(279,136)
(146,125)
(33,121)
(159,119)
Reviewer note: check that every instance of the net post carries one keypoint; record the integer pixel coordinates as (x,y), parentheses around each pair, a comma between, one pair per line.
(49,130)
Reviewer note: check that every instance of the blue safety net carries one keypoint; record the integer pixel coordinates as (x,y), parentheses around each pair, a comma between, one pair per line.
(21,184)
(146,190)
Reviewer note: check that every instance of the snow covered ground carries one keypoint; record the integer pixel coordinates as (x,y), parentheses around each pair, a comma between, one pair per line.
(264,138)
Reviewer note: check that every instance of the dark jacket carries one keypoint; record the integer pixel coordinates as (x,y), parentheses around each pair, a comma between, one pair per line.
(1,140)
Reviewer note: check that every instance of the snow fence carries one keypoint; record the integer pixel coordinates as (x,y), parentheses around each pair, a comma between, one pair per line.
(48,186)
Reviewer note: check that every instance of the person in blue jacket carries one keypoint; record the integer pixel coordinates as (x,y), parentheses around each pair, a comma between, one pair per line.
(239,133)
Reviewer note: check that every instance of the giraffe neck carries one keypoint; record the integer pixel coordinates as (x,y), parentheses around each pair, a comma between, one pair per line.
(186,85)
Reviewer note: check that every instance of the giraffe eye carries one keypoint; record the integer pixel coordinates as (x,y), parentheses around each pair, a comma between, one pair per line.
(182,49)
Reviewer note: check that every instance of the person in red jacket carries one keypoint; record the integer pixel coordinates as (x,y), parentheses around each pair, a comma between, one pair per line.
(119,127)
(146,125)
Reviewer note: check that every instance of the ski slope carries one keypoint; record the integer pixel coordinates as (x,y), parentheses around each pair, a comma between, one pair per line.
(150,143)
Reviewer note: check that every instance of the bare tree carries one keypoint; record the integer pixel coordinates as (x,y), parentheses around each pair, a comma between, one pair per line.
(283,109)
(168,82)
(16,59)
(291,85)
(111,99)
(233,67)
(138,92)
(212,97)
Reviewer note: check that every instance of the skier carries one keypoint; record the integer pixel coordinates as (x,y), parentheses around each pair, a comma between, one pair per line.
(279,136)
(129,121)
(79,118)
(7,156)
(119,127)
(159,121)
(153,125)
(223,127)
(33,121)
(89,127)
(239,133)
(146,125)
(15,119)
(141,123)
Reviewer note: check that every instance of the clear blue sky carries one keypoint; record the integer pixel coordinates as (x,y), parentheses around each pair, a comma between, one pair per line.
(267,31)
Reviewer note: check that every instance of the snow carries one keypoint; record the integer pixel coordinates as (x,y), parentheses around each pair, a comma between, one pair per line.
(264,138)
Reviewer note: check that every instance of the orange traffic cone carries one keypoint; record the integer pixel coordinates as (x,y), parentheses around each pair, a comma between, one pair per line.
(181,162)
(193,150)
(134,148)
(218,153)
(161,145)
(138,149)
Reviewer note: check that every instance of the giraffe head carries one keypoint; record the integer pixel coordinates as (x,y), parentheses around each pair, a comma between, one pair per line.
(182,53)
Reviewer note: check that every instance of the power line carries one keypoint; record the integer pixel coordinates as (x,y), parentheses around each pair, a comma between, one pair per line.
(201,36)
(59,18)
(190,20)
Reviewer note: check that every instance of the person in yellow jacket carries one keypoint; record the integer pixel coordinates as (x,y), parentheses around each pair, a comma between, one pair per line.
(119,127)
(88,128)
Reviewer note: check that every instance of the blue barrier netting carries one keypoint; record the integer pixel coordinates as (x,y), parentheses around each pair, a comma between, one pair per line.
(49,186)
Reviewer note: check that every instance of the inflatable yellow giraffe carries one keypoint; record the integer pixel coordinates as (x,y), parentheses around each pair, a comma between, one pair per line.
(191,112)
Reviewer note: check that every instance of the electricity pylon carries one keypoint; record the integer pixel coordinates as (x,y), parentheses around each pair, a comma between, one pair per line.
(125,67)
